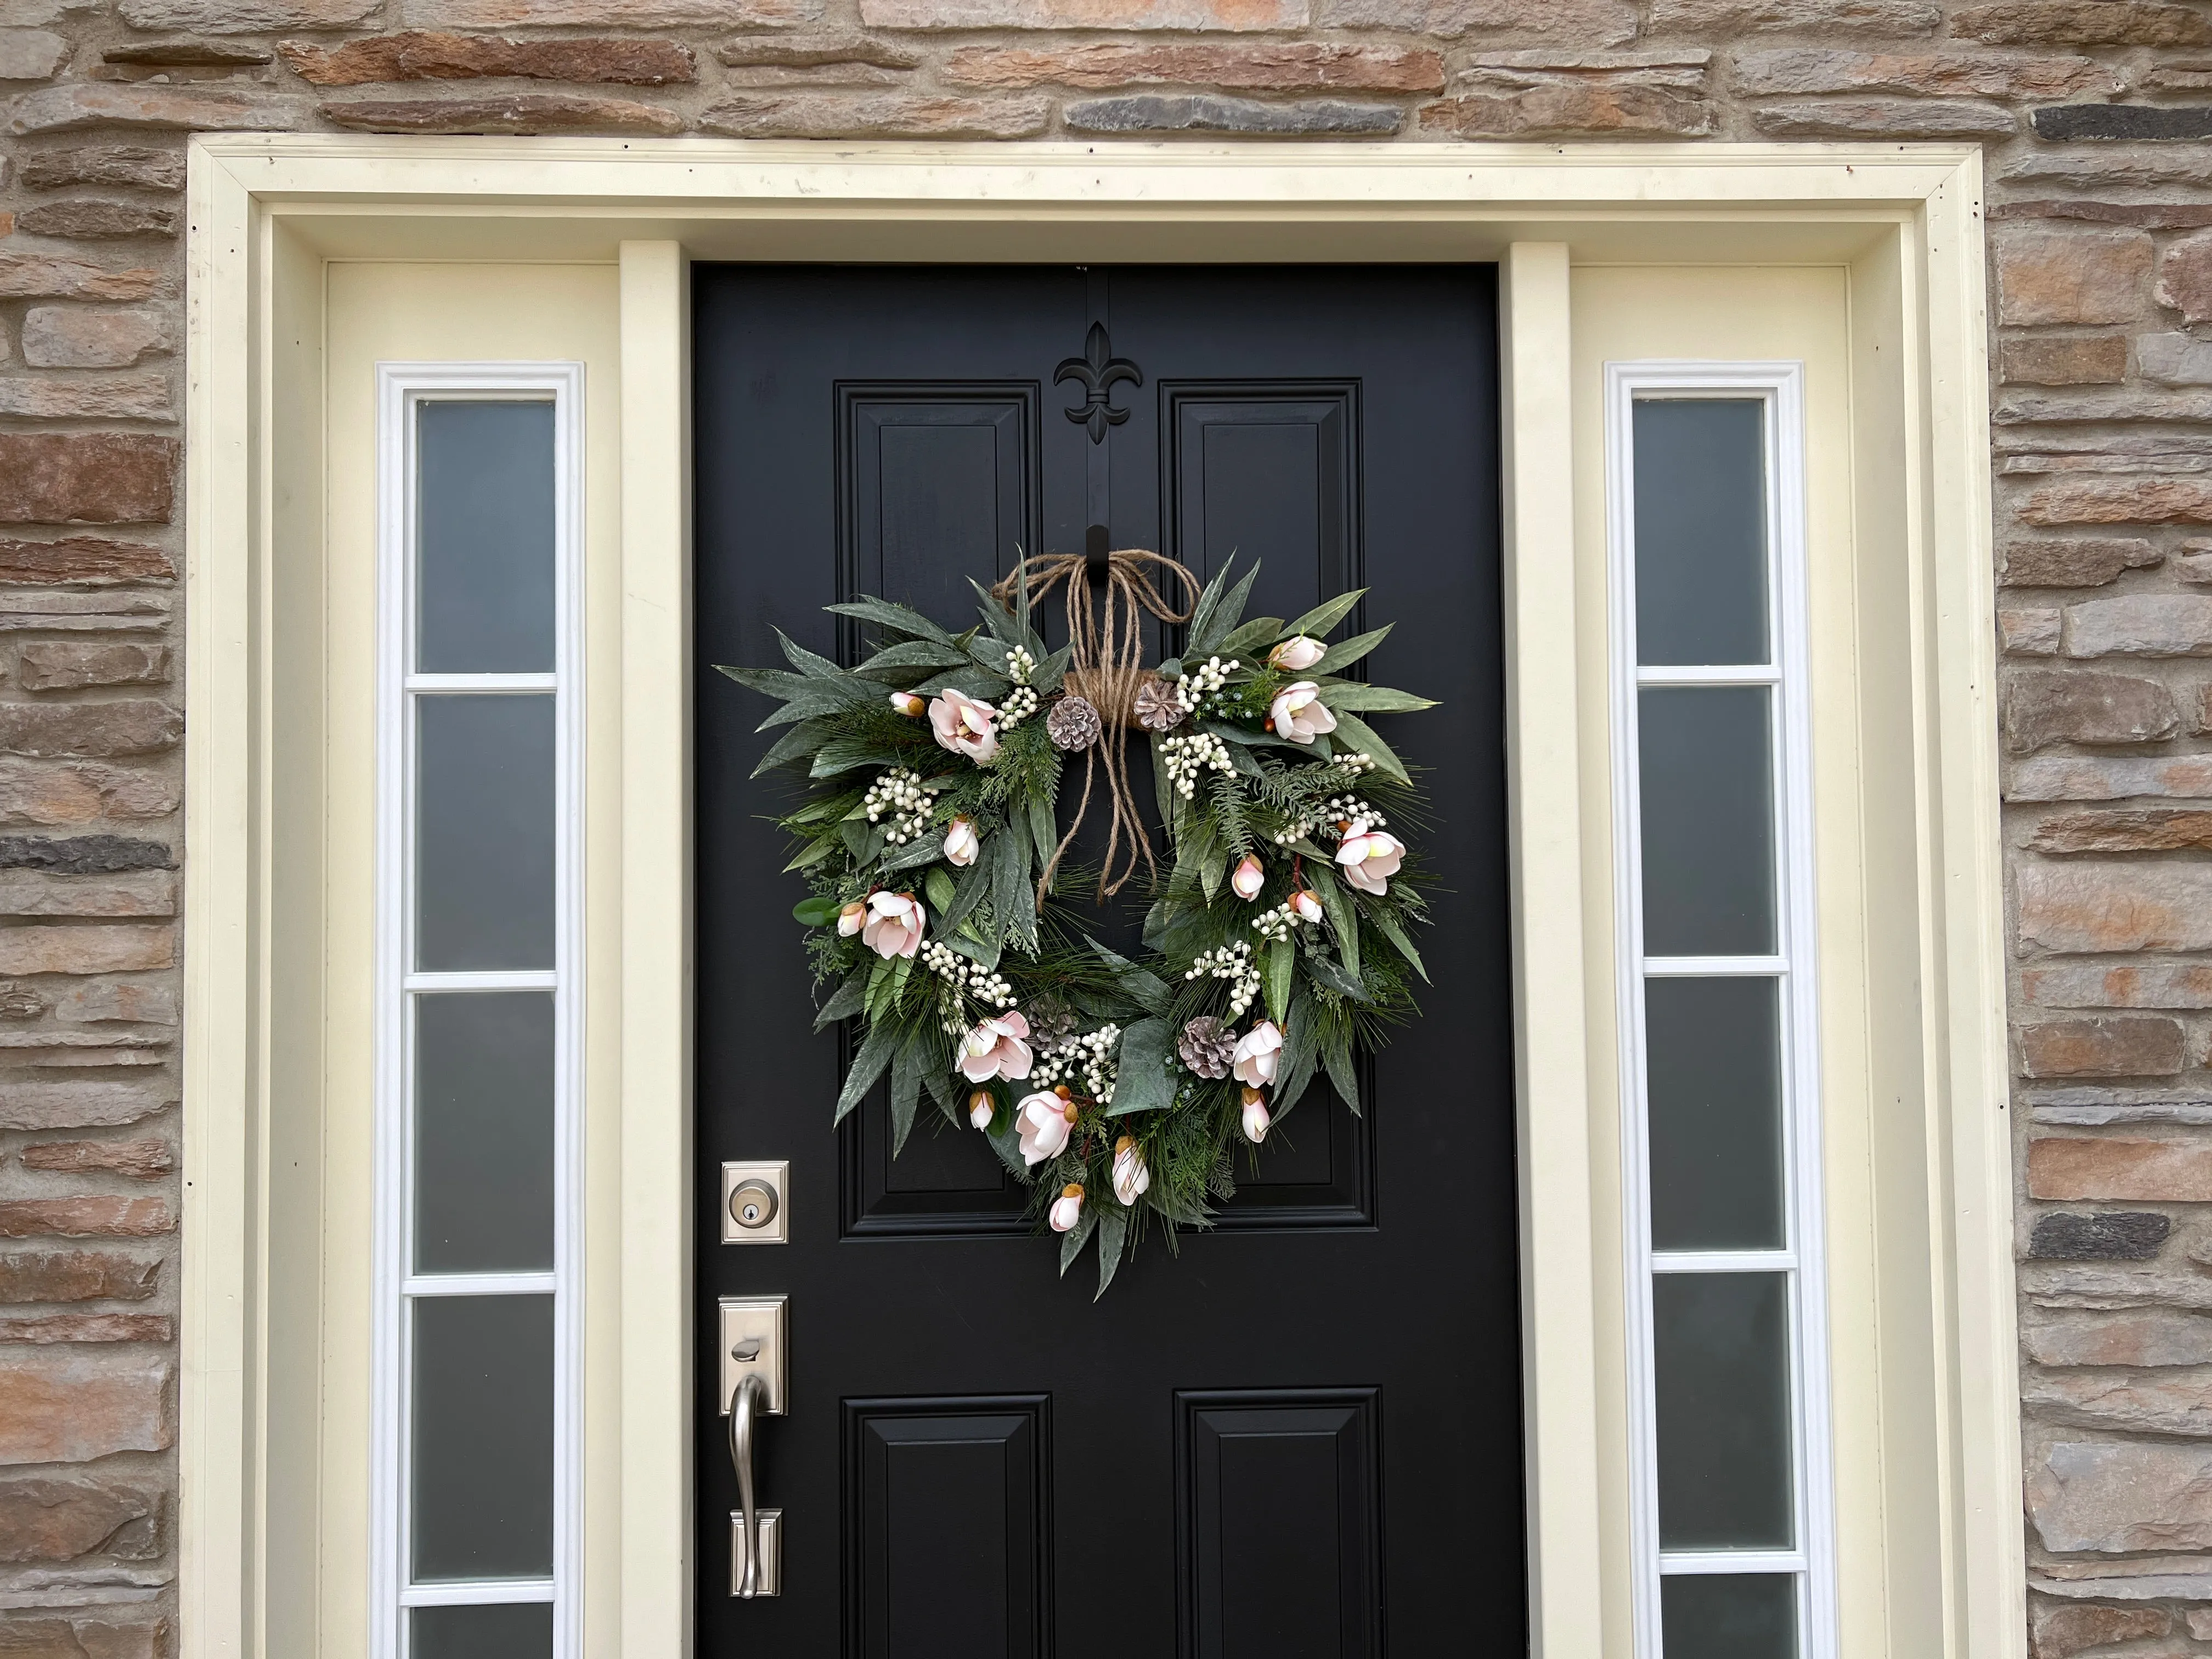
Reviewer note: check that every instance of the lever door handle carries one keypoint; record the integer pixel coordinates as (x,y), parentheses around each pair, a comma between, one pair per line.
(754,1566)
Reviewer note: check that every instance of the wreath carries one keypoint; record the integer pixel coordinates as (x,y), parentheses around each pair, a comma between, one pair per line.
(1279,940)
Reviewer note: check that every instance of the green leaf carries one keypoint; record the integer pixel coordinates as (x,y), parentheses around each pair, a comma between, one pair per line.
(1301,1044)
(802,739)
(812,666)
(1213,860)
(906,1088)
(938,886)
(925,848)
(1387,925)
(1012,627)
(939,1082)
(1336,1054)
(1242,642)
(1073,1241)
(1282,958)
(867,1066)
(1044,834)
(1143,987)
(1113,1236)
(899,618)
(1209,627)
(817,912)
(1012,901)
(859,836)
(1354,733)
(1343,919)
(973,887)
(1329,973)
(894,662)
(843,754)
(1342,656)
(1051,670)
(813,852)
(1143,1084)
(1325,616)
(1372,699)
(849,999)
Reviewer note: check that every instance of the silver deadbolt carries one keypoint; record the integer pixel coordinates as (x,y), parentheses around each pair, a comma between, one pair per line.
(753,1204)
(754,1208)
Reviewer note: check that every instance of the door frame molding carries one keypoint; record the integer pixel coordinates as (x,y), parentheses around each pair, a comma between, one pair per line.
(267,211)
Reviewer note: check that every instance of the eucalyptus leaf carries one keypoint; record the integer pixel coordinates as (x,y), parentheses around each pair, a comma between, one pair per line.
(1343,919)
(1372,699)
(1143,1082)
(925,848)
(1213,864)
(1331,974)
(1073,1241)
(856,834)
(1244,642)
(1044,834)
(939,1082)
(905,1089)
(1282,958)
(847,1000)
(812,664)
(1325,616)
(1353,733)
(897,662)
(1012,901)
(973,886)
(844,753)
(1337,1056)
(817,911)
(1113,1236)
(1342,656)
(812,854)
(867,1066)
(1387,925)
(1143,987)
(902,619)
(1210,628)
(1301,1046)
(802,739)
(938,887)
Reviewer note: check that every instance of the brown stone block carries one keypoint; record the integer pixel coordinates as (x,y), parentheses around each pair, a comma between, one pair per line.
(99,950)
(194,53)
(518,113)
(2148,215)
(1718,18)
(826,115)
(2060,1630)
(2071,276)
(2141,625)
(2140,829)
(1284,66)
(72,1407)
(34,793)
(133,893)
(86,1215)
(2085,908)
(1928,74)
(2046,705)
(93,218)
(88,477)
(1582,22)
(47,1328)
(2184,278)
(417,56)
(2125,1046)
(79,1105)
(99,1636)
(2120,1339)
(105,164)
(2119,500)
(2076,561)
(2083,23)
(2091,984)
(2156,1171)
(82,561)
(77,104)
(2030,632)
(2068,360)
(53,277)
(815,51)
(71,665)
(85,337)
(48,1520)
(135,725)
(2143,1403)
(123,397)
(611,13)
(75,1276)
(244,17)
(1561,108)
(1195,15)
(105,1001)
(142,1160)
(31,54)
(1885,118)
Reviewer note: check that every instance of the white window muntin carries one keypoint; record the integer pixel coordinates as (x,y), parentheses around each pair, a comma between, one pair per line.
(1778,388)
(402,389)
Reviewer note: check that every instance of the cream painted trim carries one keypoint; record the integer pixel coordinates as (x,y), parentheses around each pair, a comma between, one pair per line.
(261,207)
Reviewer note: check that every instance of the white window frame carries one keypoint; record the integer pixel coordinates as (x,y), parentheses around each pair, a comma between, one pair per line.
(1780,388)
(402,388)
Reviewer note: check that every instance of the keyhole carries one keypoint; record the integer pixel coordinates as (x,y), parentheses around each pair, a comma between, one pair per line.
(753,1204)
(750,1214)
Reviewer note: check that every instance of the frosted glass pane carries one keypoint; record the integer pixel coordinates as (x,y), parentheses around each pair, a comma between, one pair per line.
(485,497)
(1700,531)
(1721,1344)
(483,1132)
(1713,1088)
(484,824)
(518,1632)
(483,1436)
(1728,1615)
(1708,812)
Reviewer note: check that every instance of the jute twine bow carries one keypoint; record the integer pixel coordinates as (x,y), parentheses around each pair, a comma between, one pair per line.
(1106,667)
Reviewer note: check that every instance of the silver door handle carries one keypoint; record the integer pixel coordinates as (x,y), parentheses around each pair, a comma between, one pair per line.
(745,1409)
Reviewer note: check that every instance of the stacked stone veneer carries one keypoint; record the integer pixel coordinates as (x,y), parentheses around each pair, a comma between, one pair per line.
(2095,114)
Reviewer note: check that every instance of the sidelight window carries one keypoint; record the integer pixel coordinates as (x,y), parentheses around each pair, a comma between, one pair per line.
(1721,1125)
(476,1454)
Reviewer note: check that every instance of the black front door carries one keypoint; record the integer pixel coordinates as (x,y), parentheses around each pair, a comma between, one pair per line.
(1301,1436)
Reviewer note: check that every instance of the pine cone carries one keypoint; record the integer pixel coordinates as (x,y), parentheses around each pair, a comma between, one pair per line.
(1207,1046)
(1052,1022)
(1156,708)
(1072,724)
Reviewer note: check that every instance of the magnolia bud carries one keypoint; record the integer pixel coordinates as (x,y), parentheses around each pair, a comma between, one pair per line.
(1256,1116)
(1131,1178)
(1297,654)
(1247,878)
(852,918)
(1306,905)
(1067,1208)
(962,843)
(978,1108)
(910,705)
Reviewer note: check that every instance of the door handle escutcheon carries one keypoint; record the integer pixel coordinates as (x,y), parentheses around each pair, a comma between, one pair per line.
(753,1568)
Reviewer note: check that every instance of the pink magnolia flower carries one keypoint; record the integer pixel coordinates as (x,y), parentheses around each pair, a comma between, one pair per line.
(1297,654)
(1257,1051)
(909,704)
(995,1048)
(1130,1177)
(965,724)
(894,925)
(1067,1208)
(852,918)
(962,843)
(1369,857)
(980,1108)
(1256,1116)
(1247,879)
(1298,715)
(1046,1120)
(1307,906)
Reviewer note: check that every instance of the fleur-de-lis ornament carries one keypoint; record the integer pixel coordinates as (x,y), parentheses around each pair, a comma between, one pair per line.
(1099,372)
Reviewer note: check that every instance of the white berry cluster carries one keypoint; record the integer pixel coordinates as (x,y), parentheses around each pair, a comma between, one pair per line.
(963,978)
(1294,829)
(1339,809)
(1185,757)
(1360,761)
(899,794)
(1087,1055)
(1232,963)
(1016,706)
(1020,665)
(1209,676)
(1277,924)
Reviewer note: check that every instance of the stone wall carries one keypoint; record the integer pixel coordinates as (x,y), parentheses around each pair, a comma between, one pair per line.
(2095,114)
